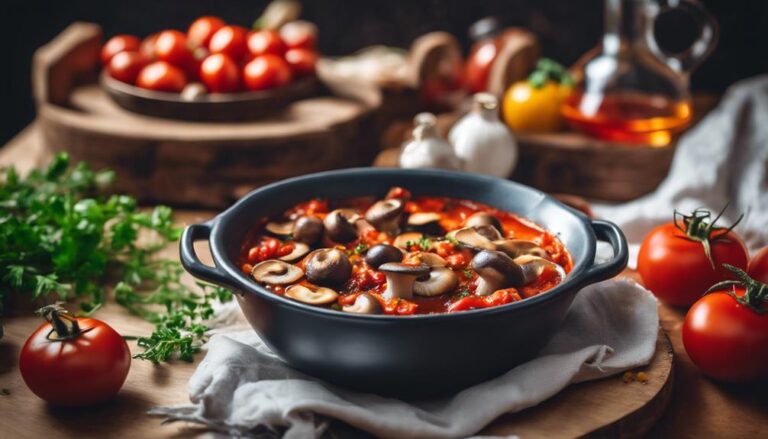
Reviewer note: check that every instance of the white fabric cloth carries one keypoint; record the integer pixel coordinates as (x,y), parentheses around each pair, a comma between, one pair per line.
(724,159)
(241,385)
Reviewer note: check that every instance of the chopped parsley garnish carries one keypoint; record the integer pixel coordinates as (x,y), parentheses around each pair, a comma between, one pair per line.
(467,273)
(360,248)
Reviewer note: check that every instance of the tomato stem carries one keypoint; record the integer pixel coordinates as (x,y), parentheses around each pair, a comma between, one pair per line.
(58,317)
(755,293)
(698,227)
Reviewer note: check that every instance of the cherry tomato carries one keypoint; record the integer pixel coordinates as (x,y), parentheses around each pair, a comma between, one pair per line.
(125,66)
(202,29)
(265,41)
(220,74)
(147,47)
(478,65)
(674,265)
(266,71)
(230,40)
(162,76)
(74,361)
(117,44)
(171,46)
(758,266)
(727,336)
(299,34)
(301,61)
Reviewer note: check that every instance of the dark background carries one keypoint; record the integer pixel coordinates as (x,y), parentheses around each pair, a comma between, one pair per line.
(566,28)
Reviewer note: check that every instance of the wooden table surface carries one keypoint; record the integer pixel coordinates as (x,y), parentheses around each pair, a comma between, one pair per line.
(700,407)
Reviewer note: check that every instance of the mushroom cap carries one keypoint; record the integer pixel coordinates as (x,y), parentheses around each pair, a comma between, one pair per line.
(299,250)
(381,254)
(408,269)
(318,296)
(519,247)
(534,266)
(364,304)
(384,210)
(279,229)
(441,280)
(431,259)
(483,219)
(423,218)
(339,225)
(472,238)
(489,232)
(308,229)
(328,266)
(498,269)
(275,272)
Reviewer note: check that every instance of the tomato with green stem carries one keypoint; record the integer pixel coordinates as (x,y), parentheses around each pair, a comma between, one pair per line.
(725,332)
(74,361)
(681,259)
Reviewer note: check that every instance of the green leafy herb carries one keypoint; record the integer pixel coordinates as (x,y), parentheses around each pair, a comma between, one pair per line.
(452,240)
(464,292)
(424,243)
(360,248)
(467,273)
(549,70)
(61,235)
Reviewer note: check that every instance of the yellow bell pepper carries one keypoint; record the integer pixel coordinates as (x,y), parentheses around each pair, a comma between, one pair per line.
(533,105)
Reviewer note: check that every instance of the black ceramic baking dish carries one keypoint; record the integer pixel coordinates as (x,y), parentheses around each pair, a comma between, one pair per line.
(406,356)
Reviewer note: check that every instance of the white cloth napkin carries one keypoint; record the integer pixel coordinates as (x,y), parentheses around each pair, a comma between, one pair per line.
(242,385)
(723,159)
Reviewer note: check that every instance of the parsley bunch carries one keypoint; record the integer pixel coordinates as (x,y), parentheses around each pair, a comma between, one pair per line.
(61,235)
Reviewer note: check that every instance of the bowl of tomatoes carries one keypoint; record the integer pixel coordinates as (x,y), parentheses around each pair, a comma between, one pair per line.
(213,72)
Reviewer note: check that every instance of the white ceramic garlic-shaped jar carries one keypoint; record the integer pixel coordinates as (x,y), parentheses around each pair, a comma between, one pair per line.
(483,143)
(427,149)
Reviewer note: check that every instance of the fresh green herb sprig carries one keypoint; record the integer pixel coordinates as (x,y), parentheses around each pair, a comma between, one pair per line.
(61,235)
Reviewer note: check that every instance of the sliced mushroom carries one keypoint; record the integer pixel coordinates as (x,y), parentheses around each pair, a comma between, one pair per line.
(470,237)
(489,232)
(328,266)
(533,266)
(340,225)
(276,272)
(280,229)
(403,239)
(432,259)
(496,271)
(385,215)
(364,304)
(381,254)
(400,279)
(318,296)
(423,218)
(440,281)
(483,219)
(308,229)
(299,251)
(519,247)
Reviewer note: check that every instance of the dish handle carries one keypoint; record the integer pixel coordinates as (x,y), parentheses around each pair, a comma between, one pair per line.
(607,231)
(192,263)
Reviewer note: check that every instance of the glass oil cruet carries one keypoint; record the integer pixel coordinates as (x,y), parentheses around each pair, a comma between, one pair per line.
(632,91)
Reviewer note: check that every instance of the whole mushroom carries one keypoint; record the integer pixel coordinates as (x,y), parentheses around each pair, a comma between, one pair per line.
(496,271)
(364,304)
(328,266)
(340,225)
(400,279)
(381,254)
(385,215)
(308,229)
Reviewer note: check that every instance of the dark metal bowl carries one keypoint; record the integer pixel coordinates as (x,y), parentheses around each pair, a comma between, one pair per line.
(406,356)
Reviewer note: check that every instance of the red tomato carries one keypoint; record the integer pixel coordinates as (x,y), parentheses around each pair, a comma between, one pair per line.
(726,337)
(147,47)
(162,76)
(125,66)
(266,71)
(202,29)
(85,364)
(674,266)
(299,34)
(301,61)
(220,74)
(478,66)
(265,41)
(230,40)
(117,44)
(171,46)
(758,266)
(497,298)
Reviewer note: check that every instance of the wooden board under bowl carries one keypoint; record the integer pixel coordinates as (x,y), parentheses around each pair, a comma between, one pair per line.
(228,107)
